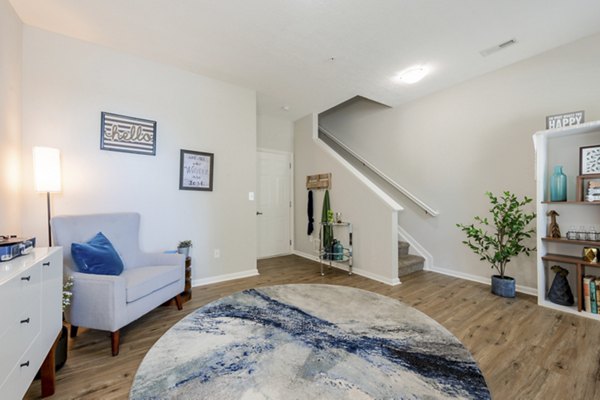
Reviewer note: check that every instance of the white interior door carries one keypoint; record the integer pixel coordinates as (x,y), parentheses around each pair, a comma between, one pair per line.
(273,203)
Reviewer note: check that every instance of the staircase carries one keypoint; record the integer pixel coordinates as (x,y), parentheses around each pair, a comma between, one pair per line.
(408,263)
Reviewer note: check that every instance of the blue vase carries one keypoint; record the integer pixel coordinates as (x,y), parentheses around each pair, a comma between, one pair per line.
(338,251)
(558,185)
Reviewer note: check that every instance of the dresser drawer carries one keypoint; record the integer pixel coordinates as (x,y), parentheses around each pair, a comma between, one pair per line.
(51,307)
(24,321)
(9,305)
(28,300)
(30,316)
(14,344)
(20,377)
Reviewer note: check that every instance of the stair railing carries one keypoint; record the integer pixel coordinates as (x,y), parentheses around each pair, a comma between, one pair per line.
(381,174)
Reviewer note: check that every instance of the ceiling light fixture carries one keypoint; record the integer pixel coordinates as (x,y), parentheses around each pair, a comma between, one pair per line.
(412,75)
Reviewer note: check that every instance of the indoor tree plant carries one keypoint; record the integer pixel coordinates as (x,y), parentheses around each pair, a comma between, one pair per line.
(508,230)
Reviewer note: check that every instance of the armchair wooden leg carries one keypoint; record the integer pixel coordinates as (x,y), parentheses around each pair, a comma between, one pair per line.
(74,331)
(178,302)
(114,339)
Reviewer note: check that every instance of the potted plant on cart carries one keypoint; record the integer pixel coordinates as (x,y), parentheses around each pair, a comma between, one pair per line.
(509,229)
(184,247)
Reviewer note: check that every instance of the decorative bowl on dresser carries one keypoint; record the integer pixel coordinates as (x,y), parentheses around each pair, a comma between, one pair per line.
(30,320)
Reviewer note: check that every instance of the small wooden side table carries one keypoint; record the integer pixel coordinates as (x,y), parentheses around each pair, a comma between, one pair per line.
(186,295)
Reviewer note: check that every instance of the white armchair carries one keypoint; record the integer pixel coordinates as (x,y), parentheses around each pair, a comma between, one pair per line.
(108,302)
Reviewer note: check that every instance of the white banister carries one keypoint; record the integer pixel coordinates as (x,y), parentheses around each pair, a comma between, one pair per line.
(379,173)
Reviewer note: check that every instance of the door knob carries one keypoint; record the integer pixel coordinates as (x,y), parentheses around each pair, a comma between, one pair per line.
(258,213)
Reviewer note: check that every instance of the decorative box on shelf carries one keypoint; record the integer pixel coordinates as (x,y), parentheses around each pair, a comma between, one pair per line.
(588,188)
(11,247)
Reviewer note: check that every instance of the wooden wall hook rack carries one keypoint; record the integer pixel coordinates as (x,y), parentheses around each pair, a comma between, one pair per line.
(319,181)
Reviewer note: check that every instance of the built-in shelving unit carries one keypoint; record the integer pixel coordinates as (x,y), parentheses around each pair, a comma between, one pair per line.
(571,241)
(563,251)
(584,203)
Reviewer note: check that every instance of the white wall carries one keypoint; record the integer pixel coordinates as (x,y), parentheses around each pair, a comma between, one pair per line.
(67,83)
(375,242)
(275,134)
(11,30)
(450,147)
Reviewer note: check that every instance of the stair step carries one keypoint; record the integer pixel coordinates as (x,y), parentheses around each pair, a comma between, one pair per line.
(403,248)
(408,264)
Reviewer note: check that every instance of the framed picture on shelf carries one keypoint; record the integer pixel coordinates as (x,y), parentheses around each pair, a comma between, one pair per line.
(196,170)
(589,160)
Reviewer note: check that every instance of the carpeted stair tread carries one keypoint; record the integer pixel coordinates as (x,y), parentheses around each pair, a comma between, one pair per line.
(403,248)
(410,263)
(410,259)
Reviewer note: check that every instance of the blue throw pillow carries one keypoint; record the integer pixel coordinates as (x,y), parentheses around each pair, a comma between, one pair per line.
(97,256)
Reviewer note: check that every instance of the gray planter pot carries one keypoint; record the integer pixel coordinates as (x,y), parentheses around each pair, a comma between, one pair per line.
(503,287)
(184,250)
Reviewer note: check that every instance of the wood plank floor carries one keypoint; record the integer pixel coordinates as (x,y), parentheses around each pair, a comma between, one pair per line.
(525,351)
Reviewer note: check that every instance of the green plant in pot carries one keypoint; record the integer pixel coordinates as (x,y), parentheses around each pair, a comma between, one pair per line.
(184,247)
(61,348)
(499,239)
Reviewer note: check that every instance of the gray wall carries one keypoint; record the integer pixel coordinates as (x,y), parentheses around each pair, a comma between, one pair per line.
(68,82)
(10,119)
(450,147)
(374,221)
(274,134)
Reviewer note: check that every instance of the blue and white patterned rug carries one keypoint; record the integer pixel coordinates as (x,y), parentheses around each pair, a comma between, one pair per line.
(308,342)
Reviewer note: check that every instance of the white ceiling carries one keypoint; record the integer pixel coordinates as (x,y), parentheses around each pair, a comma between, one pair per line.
(284,48)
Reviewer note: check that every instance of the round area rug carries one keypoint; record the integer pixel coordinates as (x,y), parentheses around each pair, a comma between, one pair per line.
(308,342)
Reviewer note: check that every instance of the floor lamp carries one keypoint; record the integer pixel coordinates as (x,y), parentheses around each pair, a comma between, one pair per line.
(46,170)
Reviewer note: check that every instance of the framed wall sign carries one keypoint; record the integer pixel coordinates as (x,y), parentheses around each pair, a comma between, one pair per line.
(562,120)
(589,160)
(195,170)
(127,134)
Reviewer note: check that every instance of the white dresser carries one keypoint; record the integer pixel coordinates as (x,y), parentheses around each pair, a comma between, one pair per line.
(30,316)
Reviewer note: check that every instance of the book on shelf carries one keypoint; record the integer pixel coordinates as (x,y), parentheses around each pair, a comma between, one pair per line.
(587,303)
(593,184)
(598,297)
(593,192)
(593,298)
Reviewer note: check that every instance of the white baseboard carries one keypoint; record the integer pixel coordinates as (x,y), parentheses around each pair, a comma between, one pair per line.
(476,278)
(311,257)
(357,271)
(225,277)
(275,255)
(375,277)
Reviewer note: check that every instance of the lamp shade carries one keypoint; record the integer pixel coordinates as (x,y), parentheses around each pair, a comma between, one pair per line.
(46,169)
